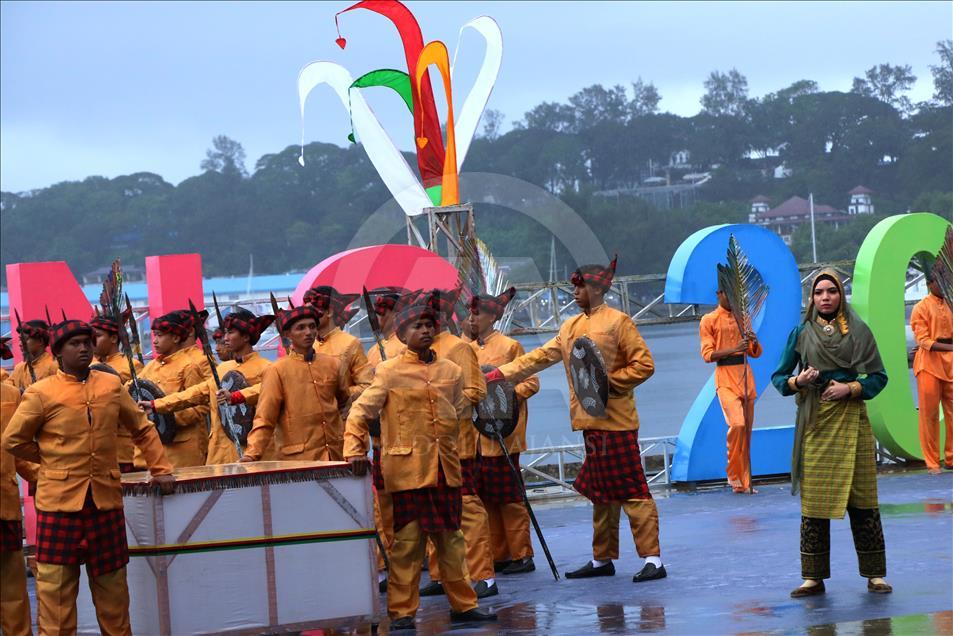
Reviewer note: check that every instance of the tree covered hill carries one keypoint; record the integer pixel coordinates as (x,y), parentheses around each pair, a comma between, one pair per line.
(603,138)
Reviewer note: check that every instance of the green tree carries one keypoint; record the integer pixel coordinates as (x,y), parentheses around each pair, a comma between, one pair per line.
(888,84)
(645,99)
(726,94)
(943,73)
(226,156)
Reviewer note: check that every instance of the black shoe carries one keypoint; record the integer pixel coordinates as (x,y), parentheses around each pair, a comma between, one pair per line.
(382,586)
(404,622)
(588,571)
(649,573)
(476,615)
(434,589)
(483,590)
(814,590)
(499,566)
(520,567)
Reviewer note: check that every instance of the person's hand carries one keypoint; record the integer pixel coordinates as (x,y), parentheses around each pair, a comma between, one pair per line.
(166,483)
(224,397)
(835,391)
(359,465)
(807,376)
(742,345)
(245,459)
(145,405)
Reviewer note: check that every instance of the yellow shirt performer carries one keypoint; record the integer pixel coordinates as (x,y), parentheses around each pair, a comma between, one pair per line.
(612,476)
(36,333)
(932,325)
(500,490)
(419,399)
(67,424)
(106,349)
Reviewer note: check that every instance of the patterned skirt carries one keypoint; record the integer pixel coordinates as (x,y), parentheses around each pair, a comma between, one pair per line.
(377,474)
(437,509)
(469,476)
(91,536)
(612,471)
(498,484)
(11,535)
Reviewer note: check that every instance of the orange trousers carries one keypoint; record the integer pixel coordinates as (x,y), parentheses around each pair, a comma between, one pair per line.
(933,392)
(739,415)
(476,531)
(384,521)
(406,558)
(643,521)
(14,601)
(509,531)
(56,590)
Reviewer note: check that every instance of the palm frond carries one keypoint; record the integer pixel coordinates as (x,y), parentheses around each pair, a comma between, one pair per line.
(494,277)
(943,268)
(743,285)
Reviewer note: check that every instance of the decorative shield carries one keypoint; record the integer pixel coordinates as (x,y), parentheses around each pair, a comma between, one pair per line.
(236,418)
(105,368)
(164,422)
(590,382)
(498,412)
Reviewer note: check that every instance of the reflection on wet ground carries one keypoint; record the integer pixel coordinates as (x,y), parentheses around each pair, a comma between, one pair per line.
(731,561)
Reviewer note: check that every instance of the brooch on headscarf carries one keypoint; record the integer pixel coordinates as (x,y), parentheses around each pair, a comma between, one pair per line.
(829,329)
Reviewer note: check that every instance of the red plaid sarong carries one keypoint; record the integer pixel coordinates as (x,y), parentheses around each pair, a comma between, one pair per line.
(437,509)
(612,471)
(377,474)
(498,484)
(469,475)
(11,535)
(92,536)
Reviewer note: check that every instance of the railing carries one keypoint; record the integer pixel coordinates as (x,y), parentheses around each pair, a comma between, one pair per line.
(650,448)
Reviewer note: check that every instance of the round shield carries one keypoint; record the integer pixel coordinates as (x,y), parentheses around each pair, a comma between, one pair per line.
(236,418)
(590,382)
(498,412)
(143,389)
(105,368)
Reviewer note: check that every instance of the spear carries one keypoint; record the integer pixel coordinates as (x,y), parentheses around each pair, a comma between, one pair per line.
(110,300)
(134,332)
(276,310)
(49,321)
(374,322)
(24,350)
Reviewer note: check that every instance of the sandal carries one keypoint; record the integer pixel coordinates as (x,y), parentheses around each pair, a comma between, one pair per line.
(878,588)
(813,590)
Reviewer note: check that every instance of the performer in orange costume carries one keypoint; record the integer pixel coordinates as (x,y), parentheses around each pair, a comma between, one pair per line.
(932,324)
(723,344)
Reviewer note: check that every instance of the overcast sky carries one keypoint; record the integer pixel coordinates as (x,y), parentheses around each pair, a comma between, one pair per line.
(114,88)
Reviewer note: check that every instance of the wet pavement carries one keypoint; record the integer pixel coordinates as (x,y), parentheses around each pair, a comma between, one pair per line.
(732,561)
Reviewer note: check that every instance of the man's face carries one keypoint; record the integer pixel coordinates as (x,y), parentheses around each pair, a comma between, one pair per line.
(324,322)
(35,346)
(418,335)
(104,343)
(235,340)
(479,324)
(77,352)
(723,300)
(222,350)
(580,293)
(302,334)
(165,343)
(935,288)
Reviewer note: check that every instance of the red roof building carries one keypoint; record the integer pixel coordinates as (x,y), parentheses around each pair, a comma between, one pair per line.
(791,214)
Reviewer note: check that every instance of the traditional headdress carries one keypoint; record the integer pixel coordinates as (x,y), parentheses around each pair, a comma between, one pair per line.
(288,317)
(65,330)
(325,297)
(5,351)
(248,323)
(483,303)
(35,329)
(411,308)
(385,298)
(105,324)
(595,275)
(177,323)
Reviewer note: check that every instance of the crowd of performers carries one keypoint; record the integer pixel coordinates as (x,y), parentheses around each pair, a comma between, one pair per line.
(442,491)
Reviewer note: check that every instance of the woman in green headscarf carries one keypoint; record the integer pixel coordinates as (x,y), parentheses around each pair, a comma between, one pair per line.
(831,364)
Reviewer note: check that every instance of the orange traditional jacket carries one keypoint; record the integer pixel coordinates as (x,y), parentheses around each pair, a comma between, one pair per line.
(393,347)
(497,350)
(627,358)
(302,399)
(446,345)
(348,349)
(718,330)
(174,373)
(420,407)
(43,367)
(10,466)
(932,319)
(196,356)
(117,361)
(68,426)
(221,450)
(4,374)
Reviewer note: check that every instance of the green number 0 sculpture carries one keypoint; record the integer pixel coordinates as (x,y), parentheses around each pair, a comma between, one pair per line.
(878,297)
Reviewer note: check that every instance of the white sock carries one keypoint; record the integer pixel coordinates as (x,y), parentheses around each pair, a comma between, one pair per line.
(596,563)
(489,582)
(381,576)
(654,560)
